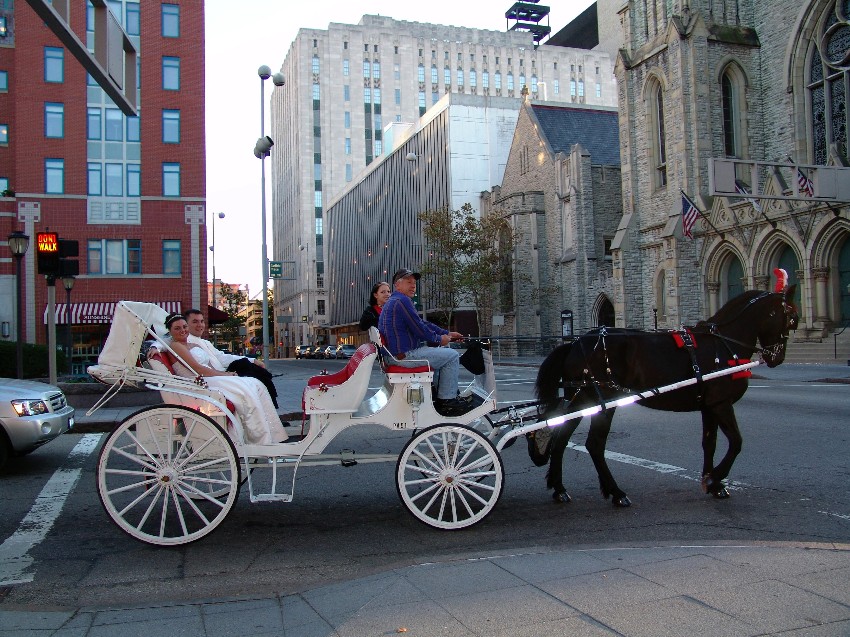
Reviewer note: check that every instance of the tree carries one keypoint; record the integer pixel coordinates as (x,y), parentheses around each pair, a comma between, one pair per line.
(232,302)
(469,258)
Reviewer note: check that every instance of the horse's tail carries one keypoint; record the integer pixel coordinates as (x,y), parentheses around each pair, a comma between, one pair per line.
(546,389)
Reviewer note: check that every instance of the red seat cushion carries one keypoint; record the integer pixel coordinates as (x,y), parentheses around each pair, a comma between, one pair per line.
(166,358)
(338,378)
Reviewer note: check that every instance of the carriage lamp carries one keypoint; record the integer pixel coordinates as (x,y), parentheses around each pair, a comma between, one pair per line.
(415,395)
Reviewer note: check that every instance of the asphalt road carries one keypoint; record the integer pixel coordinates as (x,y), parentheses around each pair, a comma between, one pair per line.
(789,483)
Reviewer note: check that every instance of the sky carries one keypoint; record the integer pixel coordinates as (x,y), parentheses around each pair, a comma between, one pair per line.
(241,37)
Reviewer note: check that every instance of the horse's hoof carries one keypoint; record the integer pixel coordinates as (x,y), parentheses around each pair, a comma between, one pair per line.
(621,502)
(563,496)
(722,493)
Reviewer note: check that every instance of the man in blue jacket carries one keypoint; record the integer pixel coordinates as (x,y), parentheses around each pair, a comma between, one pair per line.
(409,338)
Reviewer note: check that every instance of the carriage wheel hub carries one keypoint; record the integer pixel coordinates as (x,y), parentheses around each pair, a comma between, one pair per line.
(167,475)
(449,478)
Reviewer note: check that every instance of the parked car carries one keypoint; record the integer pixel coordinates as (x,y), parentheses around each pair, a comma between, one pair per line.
(345,351)
(302,351)
(329,351)
(31,414)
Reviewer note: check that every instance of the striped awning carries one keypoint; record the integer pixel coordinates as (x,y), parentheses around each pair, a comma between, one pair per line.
(82,313)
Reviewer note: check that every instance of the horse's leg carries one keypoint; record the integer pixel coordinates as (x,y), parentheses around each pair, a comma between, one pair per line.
(597,437)
(709,445)
(555,476)
(724,417)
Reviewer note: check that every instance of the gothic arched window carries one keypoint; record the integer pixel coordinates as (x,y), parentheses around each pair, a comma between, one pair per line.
(828,77)
(658,142)
(733,103)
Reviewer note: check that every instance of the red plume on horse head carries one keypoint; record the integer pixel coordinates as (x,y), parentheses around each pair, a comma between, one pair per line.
(781,280)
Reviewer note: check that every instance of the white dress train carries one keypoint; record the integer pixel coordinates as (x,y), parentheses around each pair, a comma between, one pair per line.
(253,404)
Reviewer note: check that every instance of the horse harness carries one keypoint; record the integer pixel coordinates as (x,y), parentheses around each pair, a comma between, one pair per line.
(685,339)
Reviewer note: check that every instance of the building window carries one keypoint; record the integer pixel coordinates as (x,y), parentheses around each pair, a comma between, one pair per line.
(398,96)
(314,68)
(397,71)
(170,73)
(598,90)
(497,81)
(510,81)
(732,89)
(114,131)
(170,179)
(376,97)
(170,126)
(460,78)
(367,66)
(93,119)
(348,175)
(170,20)
(4,133)
(4,185)
(114,256)
(485,79)
(317,198)
(317,92)
(556,85)
(473,79)
(133,26)
(95,179)
(658,140)
(421,99)
(378,147)
(367,96)
(347,119)
(171,256)
(134,180)
(522,84)
(447,77)
(376,70)
(134,133)
(114,180)
(54,120)
(347,145)
(581,88)
(54,64)
(346,92)
(435,76)
(435,97)
(346,68)
(534,84)
(420,74)
(4,81)
(573,88)
(54,176)
(320,307)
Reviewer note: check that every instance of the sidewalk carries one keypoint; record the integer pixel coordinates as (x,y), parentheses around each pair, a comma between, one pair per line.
(693,591)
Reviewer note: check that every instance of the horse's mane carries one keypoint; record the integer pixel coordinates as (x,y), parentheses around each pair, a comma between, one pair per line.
(732,307)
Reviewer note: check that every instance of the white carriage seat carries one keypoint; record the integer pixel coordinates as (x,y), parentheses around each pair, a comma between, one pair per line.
(343,391)
(163,361)
(385,357)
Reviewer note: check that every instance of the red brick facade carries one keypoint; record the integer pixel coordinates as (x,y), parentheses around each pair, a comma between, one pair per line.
(161,218)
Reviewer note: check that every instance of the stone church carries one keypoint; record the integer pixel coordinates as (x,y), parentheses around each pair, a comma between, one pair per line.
(762,80)
(751,80)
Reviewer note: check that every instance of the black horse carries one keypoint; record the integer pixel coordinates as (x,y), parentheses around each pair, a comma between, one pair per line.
(607,363)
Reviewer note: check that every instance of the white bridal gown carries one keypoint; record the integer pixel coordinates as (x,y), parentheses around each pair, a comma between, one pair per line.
(252,401)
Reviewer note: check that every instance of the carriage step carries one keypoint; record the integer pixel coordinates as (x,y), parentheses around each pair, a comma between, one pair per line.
(271,497)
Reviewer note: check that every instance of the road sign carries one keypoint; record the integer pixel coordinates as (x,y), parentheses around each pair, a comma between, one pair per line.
(276,269)
(47,244)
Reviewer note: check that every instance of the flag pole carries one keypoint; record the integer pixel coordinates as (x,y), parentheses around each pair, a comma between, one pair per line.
(703,215)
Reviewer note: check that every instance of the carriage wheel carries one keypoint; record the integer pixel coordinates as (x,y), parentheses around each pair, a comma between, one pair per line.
(449,476)
(168,475)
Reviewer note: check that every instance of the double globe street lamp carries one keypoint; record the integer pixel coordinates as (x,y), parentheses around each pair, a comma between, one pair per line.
(261,150)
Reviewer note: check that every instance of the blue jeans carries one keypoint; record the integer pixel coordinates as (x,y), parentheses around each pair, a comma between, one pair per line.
(445,363)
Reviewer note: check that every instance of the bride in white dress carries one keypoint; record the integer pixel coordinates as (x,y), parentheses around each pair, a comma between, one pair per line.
(253,404)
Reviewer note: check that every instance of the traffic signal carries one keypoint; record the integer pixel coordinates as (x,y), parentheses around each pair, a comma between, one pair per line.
(69,250)
(47,246)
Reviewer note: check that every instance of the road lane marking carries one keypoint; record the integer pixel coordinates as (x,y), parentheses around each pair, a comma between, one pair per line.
(15,560)
(660,467)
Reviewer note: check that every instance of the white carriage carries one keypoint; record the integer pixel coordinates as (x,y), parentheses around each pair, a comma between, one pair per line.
(170,474)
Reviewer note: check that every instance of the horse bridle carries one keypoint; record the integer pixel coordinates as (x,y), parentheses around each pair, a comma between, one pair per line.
(769,352)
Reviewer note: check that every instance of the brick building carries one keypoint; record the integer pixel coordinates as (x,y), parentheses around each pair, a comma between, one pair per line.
(130,190)
(561,195)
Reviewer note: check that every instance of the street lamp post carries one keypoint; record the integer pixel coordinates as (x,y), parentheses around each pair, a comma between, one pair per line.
(220,215)
(261,151)
(18,244)
(306,249)
(68,284)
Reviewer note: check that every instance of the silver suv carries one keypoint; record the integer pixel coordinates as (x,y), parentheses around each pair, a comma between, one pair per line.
(31,414)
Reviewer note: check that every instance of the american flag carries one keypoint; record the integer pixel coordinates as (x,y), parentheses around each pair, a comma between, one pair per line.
(806,185)
(690,214)
(743,190)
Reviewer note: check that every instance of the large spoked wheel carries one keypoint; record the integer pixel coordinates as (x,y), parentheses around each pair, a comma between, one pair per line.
(168,475)
(449,476)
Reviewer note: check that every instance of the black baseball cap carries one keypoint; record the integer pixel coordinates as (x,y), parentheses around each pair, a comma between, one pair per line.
(405,272)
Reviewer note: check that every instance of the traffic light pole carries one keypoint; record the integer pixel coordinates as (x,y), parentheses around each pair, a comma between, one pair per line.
(51,328)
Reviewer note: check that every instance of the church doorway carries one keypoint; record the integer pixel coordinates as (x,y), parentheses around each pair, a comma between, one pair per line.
(606,313)
(844,280)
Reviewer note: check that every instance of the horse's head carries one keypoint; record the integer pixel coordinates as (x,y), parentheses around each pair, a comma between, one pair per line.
(782,317)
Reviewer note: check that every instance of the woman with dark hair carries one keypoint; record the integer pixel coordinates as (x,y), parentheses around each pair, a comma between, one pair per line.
(380,293)
(259,417)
